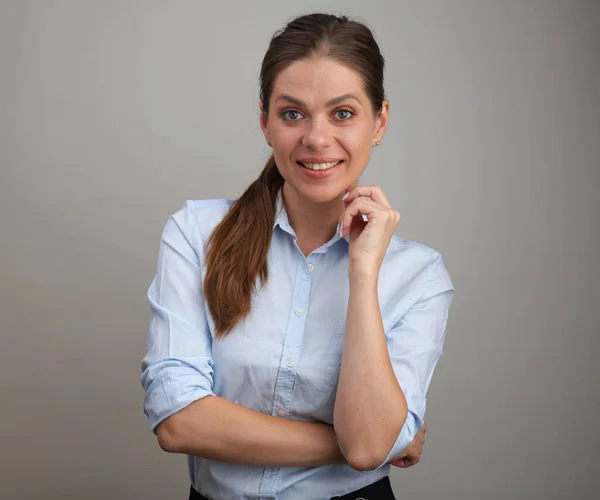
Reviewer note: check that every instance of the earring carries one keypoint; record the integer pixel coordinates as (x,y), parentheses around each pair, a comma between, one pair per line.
(377,143)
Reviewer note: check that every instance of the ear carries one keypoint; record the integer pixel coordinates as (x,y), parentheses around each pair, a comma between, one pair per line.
(381,122)
(263,121)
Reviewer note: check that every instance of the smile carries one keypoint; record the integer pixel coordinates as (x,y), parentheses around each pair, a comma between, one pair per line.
(319,166)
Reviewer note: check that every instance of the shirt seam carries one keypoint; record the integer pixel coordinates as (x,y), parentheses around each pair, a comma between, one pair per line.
(189,241)
(203,204)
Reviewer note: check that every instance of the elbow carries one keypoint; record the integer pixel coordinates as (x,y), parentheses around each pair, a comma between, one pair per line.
(369,454)
(167,437)
(365,460)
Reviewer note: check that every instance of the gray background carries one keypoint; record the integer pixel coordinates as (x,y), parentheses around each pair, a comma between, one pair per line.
(113,113)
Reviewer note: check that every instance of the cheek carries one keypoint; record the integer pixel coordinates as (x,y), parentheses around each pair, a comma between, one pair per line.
(286,138)
(357,141)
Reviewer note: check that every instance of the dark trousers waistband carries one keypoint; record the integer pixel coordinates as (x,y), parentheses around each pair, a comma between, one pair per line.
(380,490)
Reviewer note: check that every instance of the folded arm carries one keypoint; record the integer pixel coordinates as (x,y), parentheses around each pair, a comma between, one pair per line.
(380,402)
(177,375)
(219,429)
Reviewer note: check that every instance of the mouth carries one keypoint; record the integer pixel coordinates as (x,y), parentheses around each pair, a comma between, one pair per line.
(319,166)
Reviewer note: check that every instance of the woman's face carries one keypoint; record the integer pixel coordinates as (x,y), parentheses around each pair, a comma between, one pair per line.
(320,114)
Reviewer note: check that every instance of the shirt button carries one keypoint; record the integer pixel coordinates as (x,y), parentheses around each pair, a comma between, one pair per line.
(281,412)
(290,362)
(311,268)
(299,312)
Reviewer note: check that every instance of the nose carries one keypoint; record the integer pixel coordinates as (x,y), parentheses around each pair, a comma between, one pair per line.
(318,134)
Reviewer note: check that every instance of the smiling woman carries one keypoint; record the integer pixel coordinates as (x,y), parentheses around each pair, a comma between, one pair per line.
(321,104)
(292,341)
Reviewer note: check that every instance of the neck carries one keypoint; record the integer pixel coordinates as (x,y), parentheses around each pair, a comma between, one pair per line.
(314,223)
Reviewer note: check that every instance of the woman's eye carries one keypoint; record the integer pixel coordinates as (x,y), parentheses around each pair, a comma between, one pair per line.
(344,114)
(291,115)
(295,115)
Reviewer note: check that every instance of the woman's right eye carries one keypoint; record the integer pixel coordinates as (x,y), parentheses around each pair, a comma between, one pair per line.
(291,115)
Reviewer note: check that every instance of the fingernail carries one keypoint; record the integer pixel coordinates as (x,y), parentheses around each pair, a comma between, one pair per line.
(346,196)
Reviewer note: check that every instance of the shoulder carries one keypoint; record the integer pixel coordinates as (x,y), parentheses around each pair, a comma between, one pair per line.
(197,218)
(413,262)
(402,249)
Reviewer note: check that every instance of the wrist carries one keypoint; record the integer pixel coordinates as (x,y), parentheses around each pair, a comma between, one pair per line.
(363,278)
(335,456)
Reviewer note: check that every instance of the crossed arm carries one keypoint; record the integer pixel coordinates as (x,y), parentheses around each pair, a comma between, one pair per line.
(218,429)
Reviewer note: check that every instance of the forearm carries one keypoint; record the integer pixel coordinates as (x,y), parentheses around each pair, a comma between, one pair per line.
(218,429)
(370,407)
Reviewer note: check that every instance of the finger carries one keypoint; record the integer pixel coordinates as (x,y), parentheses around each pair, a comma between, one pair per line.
(419,437)
(374,192)
(373,211)
(401,462)
(360,206)
(411,460)
(362,209)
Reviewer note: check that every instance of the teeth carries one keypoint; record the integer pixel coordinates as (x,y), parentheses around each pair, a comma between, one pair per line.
(320,166)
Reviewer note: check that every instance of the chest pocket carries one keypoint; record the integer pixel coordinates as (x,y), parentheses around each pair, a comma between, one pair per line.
(333,354)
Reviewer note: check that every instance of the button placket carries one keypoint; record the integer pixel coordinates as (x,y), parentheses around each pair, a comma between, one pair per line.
(284,382)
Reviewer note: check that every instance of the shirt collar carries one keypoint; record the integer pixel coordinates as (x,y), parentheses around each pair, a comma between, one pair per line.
(281,217)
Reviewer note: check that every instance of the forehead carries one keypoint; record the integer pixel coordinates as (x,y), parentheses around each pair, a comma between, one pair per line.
(317,80)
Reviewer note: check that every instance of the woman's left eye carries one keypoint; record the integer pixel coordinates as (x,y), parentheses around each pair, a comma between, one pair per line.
(347,114)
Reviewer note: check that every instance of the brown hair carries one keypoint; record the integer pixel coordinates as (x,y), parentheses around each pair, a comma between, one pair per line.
(238,246)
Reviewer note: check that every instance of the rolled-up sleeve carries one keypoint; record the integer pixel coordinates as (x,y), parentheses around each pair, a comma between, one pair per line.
(415,345)
(178,367)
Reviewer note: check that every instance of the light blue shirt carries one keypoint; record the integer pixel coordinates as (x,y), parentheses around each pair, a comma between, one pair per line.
(284,358)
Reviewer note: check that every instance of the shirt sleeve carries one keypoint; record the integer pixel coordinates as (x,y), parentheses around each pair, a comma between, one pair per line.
(178,367)
(415,345)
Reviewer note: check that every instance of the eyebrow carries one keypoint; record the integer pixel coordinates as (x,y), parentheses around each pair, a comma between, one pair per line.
(331,102)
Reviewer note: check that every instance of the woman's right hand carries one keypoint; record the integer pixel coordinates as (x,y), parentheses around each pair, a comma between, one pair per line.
(411,455)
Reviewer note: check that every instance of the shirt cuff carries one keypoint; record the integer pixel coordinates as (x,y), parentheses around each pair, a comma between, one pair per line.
(172,390)
(412,425)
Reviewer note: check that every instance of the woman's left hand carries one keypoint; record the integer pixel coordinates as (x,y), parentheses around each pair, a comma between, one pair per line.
(411,455)
(368,240)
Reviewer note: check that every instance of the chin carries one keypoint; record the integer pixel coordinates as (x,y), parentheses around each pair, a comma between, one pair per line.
(325,194)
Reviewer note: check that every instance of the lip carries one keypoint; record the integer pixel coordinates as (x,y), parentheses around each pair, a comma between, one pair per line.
(320,174)
(319,159)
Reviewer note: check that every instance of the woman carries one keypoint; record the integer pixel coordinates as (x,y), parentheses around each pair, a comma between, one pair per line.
(293,335)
